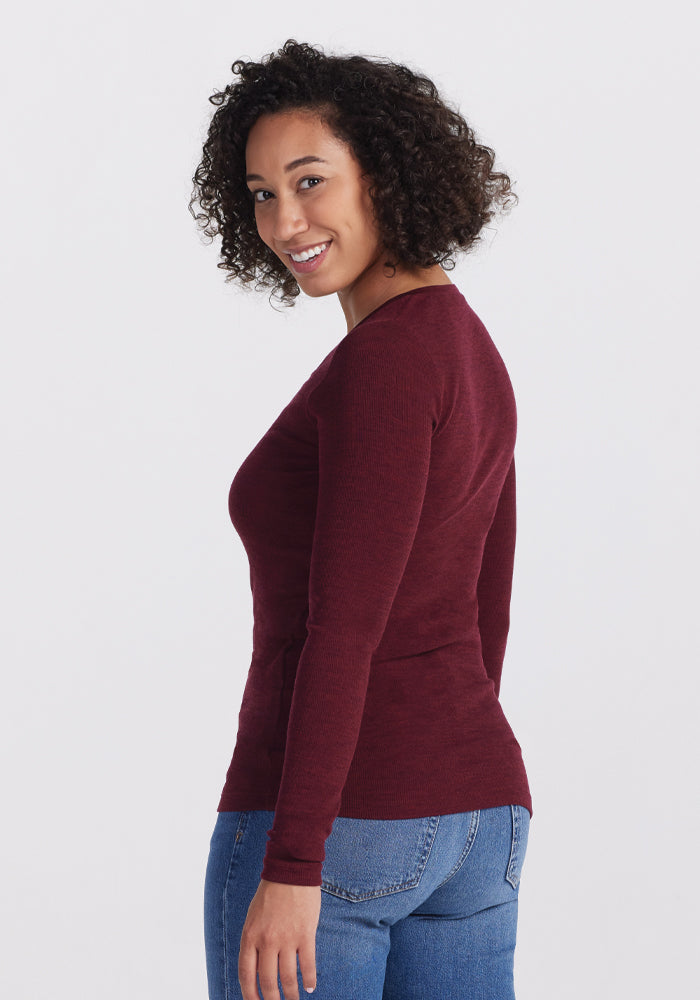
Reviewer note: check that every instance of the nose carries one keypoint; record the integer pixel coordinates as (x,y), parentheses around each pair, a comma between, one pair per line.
(289,219)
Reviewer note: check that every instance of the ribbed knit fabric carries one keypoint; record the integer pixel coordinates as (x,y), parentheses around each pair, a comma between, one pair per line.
(378,517)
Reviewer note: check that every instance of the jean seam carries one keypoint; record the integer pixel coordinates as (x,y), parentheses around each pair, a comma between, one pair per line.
(514,847)
(471,837)
(242,823)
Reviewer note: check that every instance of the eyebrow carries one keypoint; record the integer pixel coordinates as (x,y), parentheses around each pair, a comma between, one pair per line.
(290,166)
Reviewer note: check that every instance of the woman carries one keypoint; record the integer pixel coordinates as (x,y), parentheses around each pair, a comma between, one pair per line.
(374,819)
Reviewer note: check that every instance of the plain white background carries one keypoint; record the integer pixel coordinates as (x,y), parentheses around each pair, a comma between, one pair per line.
(135,381)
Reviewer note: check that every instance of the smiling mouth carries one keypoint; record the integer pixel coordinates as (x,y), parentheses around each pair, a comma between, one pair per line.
(310,263)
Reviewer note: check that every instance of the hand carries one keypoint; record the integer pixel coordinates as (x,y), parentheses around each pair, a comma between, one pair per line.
(281,922)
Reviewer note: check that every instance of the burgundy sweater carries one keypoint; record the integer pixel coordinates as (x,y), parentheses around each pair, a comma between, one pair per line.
(378,517)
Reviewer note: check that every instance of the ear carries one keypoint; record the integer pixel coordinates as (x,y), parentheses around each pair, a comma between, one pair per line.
(367,182)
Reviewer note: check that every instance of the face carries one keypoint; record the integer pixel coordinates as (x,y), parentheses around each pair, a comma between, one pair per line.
(321,202)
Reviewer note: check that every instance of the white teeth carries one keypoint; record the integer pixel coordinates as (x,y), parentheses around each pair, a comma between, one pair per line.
(308,254)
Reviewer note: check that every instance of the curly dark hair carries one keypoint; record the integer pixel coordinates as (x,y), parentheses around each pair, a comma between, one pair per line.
(433,186)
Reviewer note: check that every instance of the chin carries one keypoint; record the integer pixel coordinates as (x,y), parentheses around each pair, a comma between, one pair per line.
(315,288)
(316,291)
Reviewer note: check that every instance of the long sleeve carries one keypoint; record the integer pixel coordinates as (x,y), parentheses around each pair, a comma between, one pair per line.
(375,412)
(495,581)
(377,513)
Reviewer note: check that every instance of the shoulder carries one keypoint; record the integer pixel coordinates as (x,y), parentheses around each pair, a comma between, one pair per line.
(379,367)
(381,343)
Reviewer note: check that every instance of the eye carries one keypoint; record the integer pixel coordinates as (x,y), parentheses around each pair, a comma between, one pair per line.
(259,195)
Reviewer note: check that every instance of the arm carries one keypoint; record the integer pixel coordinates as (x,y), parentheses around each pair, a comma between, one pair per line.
(375,410)
(495,581)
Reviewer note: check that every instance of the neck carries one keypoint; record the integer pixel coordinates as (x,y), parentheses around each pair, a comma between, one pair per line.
(378,284)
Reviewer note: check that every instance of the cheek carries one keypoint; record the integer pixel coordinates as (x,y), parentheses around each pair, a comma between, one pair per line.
(266,237)
(263,220)
(261,227)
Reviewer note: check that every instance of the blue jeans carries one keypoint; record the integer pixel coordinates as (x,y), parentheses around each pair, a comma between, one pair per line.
(411,909)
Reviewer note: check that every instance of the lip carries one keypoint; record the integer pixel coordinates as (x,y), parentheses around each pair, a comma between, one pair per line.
(306,266)
(308,246)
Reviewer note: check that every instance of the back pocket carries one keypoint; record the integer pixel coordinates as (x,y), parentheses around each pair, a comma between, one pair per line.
(376,857)
(518,845)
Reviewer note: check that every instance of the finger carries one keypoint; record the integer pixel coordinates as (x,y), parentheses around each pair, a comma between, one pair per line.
(307,964)
(288,974)
(247,970)
(267,973)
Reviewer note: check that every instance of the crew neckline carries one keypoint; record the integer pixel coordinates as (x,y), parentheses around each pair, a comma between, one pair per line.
(410,291)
